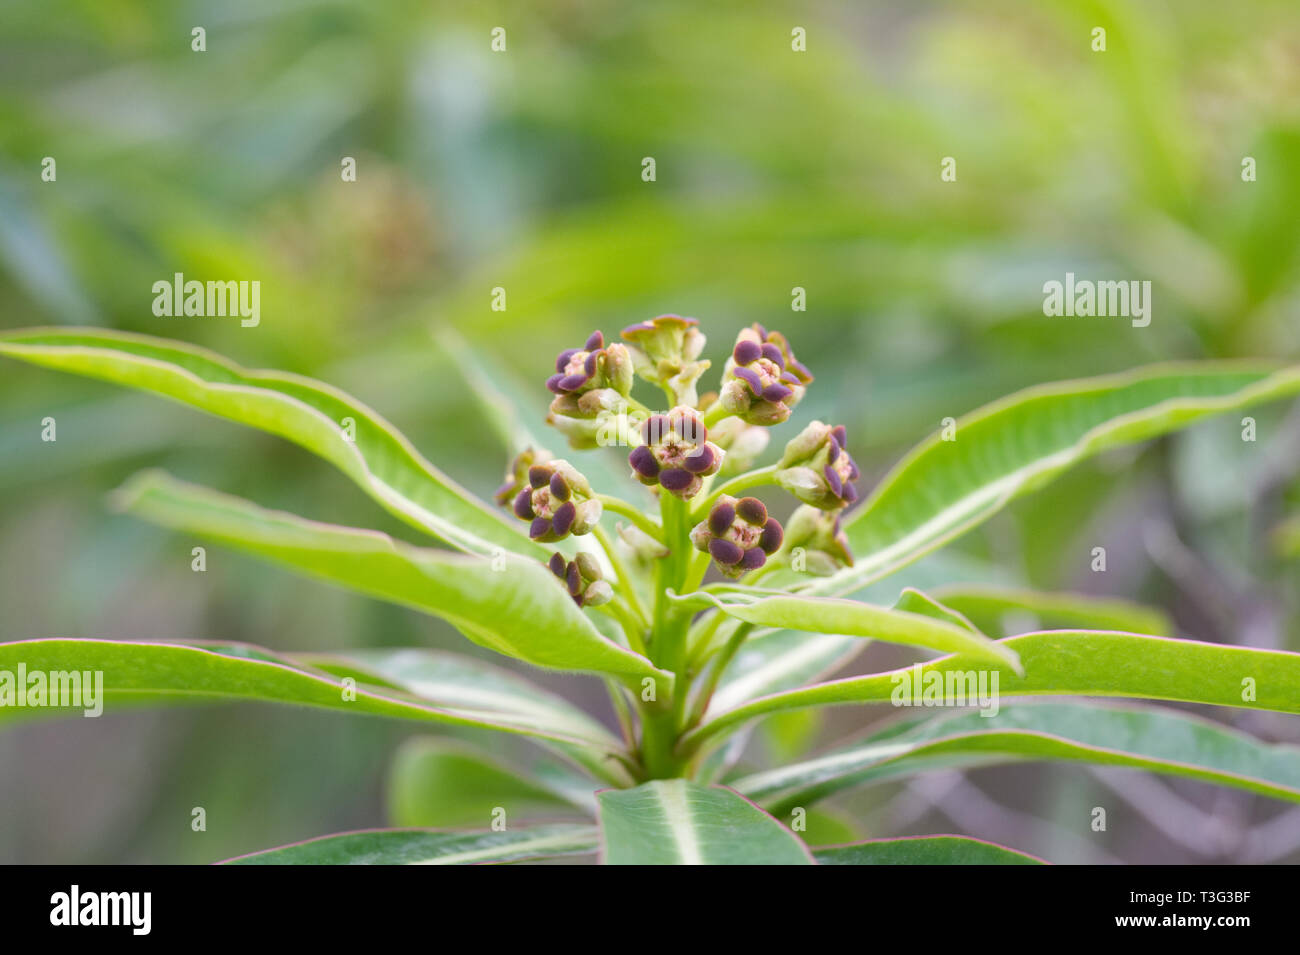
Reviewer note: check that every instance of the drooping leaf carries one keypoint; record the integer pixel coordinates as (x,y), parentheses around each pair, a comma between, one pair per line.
(507,603)
(137,674)
(836,615)
(1160,740)
(1079,662)
(429,847)
(675,822)
(1013,446)
(309,413)
(923,850)
(439,783)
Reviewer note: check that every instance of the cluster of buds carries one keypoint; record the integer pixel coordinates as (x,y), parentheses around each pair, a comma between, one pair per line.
(816,469)
(738,535)
(589,381)
(666,351)
(676,453)
(763,380)
(761,383)
(557,500)
(583,579)
(825,546)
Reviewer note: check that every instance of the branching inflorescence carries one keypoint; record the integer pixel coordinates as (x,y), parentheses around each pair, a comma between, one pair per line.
(679,454)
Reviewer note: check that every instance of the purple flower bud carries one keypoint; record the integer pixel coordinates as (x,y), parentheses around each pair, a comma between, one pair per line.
(524,505)
(720,518)
(770,540)
(644,462)
(746,351)
(558,501)
(582,579)
(560,487)
(675,479)
(725,551)
(699,460)
(564,517)
(738,535)
(752,511)
(677,454)
(774,380)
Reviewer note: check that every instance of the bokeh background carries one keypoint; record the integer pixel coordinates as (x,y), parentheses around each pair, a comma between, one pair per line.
(522,170)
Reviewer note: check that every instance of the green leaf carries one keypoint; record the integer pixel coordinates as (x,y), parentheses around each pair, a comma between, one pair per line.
(853,618)
(781,660)
(916,601)
(675,822)
(1081,662)
(508,603)
(924,850)
(426,847)
(942,489)
(311,414)
(458,691)
(986,608)
(1160,740)
(438,783)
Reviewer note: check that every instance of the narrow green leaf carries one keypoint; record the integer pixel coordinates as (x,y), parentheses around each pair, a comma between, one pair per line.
(853,618)
(782,660)
(1016,445)
(675,822)
(507,603)
(986,608)
(311,414)
(1160,740)
(167,674)
(916,601)
(428,847)
(1080,662)
(924,850)
(439,783)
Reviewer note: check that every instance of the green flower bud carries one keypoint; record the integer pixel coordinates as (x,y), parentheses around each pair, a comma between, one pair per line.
(742,442)
(816,469)
(665,351)
(825,546)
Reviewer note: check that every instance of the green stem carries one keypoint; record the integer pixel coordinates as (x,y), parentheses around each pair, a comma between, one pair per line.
(717,667)
(633,514)
(699,566)
(743,482)
(714,414)
(626,582)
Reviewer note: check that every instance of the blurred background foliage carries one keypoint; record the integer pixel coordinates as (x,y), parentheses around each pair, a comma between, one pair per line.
(522,170)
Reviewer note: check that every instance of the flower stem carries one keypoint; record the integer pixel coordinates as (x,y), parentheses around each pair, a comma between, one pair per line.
(717,666)
(742,482)
(626,583)
(623,508)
